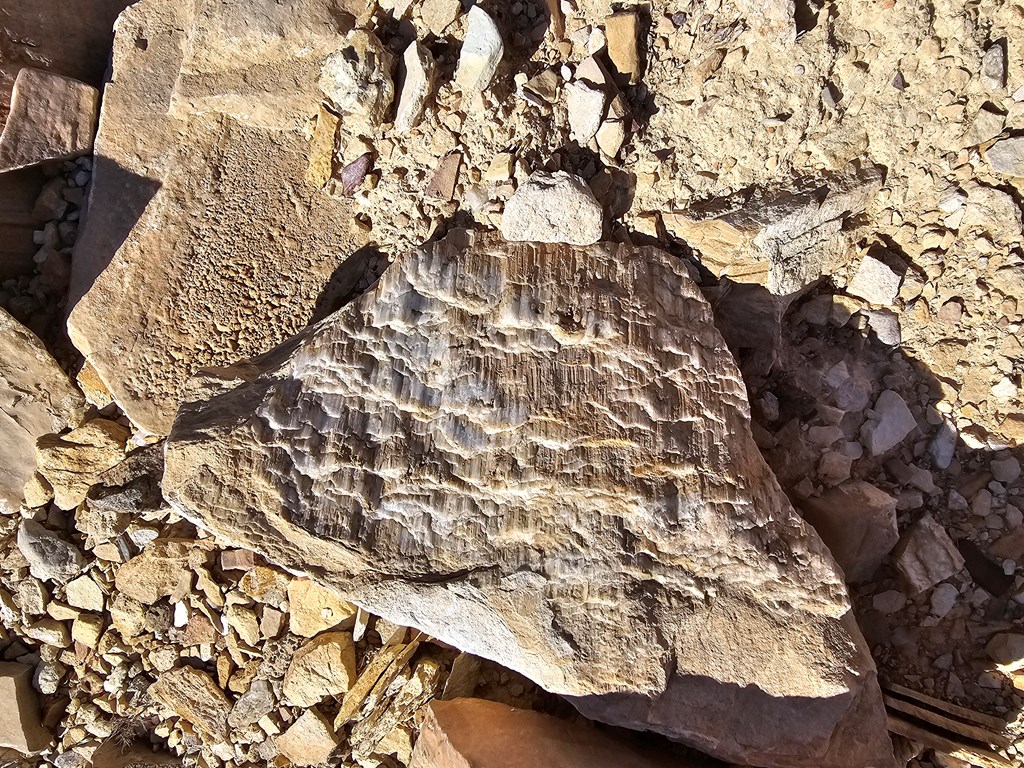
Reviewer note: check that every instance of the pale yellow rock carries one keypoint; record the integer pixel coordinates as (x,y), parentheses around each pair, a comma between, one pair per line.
(156,571)
(72,463)
(324,666)
(265,585)
(313,609)
(84,593)
(86,629)
(195,698)
(244,621)
(309,740)
(38,492)
(622,30)
(321,149)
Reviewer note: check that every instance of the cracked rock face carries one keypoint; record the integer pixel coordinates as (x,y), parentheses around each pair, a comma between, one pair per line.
(541,454)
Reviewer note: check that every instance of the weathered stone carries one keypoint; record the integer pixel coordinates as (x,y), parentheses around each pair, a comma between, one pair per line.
(51,118)
(50,557)
(309,741)
(464,352)
(20,726)
(1006,156)
(86,629)
(357,78)
(258,701)
(1007,650)
(72,463)
(312,609)
(585,105)
(993,68)
(487,734)
(417,88)
(623,31)
(1005,469)
(875,281)
(324,666)
(858,524)
(211,114)
(439,14)
(553,208)
(926,555)
(265,585)
(481,52)
(36,398)
(321,149)
(442,184)
(888,427)
(785,240)
(194,697)
(157,570)
(84,593)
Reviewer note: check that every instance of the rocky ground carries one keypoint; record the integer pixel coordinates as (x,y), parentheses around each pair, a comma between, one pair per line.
(261,505)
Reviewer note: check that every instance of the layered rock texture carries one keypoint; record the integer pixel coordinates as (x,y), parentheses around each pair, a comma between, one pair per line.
(553,445)
(200,208)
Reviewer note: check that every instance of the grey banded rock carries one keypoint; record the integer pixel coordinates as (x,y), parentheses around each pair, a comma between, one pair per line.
(542,455)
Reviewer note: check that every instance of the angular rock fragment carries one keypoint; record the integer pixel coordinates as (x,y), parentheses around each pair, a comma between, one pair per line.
(487,734)
(437,449)
(993,67)
(1006,156)
(926,555)
(586,108)
(72,463)
(313,609)
(623,31)
(36,398)
(50,557)
(51,118)
(156,572)
(553,208)
(357,78)
(857,522)
(481,52)
(324,666)
(1007,650)
(20,726)
(417,88)
(309,741)
(784,240)
(875,281)
(194,697)
(891,423)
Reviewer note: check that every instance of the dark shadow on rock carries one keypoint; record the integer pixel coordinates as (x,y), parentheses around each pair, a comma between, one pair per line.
(18,192)
(117,200)
(353,277)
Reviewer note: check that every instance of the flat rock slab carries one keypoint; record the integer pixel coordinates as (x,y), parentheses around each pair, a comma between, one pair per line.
(52,118)
(542,455)
(20,726)
(205,242)
(36,398)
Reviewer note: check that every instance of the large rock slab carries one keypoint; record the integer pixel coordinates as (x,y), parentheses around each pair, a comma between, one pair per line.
(21,728)
(204,242)
(542,455)
(36,398)
(52,118)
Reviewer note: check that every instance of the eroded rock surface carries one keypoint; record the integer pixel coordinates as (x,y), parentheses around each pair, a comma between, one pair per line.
(205,243)
(551,444)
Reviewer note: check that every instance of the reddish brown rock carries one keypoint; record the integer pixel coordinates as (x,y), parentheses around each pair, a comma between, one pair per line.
(473,733)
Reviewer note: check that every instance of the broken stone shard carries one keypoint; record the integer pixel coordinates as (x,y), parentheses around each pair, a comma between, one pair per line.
(194,697)
(553,208)
(1006,156)
(416,90)
(436,452)
(51,118)
(481,52)
(36,398)
(784,240)
(309,741)
(72,463)
(357,78)
(585,105)
(50,557)
(926,555)
(20,726)
(891,423)
(324,666)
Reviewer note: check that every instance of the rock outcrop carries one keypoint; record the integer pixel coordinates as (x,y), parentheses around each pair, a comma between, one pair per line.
(204,241)
(36,398)
(542,455)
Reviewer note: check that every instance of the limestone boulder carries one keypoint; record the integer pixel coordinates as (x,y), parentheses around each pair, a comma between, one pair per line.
(52,118)
(205,243)
(36,398)
(542,455)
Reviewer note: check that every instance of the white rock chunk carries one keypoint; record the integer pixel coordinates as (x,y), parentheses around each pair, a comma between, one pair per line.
(436,451)
(875,282)
(926,555)
(418,86)
(49,556)
(553,208)
(357,77)
(891,423)
(586,108)
(481,52)
(993,68)
(1007,650)
(1006,156)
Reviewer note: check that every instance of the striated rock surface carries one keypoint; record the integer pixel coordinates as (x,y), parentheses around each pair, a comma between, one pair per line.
(36,398)
(542,455)
(204,242)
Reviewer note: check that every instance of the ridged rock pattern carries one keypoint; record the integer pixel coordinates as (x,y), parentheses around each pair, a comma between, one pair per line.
(541,454)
